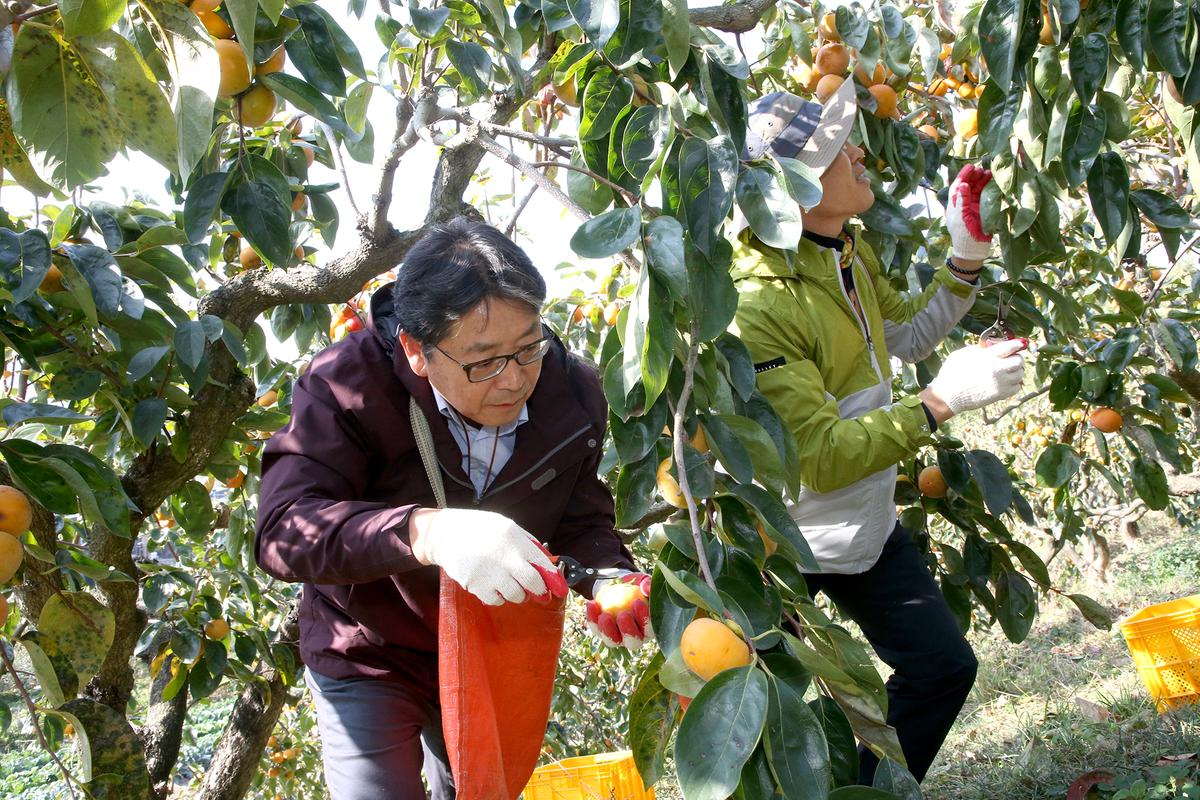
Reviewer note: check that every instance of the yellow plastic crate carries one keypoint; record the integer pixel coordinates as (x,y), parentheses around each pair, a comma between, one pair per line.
(1164,640)
(608,776)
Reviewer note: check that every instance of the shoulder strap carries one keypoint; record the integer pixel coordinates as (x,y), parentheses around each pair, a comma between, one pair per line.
(424,437)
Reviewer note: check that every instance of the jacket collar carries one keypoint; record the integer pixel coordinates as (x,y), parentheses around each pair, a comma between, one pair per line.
(752,258)
(555,416)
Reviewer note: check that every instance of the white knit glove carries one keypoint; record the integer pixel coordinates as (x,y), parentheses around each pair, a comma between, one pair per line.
(967,239)
(976,375)
(490,556)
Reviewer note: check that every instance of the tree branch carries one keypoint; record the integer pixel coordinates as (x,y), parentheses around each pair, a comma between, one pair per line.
(253,717)
(732,18)
(680,434)
(29,704)
(410,117)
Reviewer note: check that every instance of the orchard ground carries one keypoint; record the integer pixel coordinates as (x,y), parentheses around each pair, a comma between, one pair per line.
(1042,713)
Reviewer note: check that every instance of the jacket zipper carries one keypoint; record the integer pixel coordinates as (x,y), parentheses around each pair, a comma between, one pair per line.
(491,490)
(858,314)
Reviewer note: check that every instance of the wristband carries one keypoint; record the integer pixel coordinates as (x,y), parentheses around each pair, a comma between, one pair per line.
(955,268)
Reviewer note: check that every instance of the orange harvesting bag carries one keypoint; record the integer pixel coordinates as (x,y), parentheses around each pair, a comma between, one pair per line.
(496,666)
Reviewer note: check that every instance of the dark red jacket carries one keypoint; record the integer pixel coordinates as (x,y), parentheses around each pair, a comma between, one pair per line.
(341,478)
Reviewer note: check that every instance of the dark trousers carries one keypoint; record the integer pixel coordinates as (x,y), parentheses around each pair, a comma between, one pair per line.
(905,618)
(375,737)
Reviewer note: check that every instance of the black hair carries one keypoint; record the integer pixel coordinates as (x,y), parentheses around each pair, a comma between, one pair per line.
(455,267)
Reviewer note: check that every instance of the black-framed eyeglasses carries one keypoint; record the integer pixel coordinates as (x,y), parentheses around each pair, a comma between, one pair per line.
(485,369)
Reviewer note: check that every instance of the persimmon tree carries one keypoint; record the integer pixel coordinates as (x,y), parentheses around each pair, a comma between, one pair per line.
(139,374)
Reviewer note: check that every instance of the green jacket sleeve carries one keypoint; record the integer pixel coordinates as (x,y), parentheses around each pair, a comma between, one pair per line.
(913,325)
(834,452)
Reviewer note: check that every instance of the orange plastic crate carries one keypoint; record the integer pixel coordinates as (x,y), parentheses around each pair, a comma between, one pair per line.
(1164,640)
(608,776)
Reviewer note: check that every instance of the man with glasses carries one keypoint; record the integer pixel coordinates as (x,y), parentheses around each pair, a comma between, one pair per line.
(347,507)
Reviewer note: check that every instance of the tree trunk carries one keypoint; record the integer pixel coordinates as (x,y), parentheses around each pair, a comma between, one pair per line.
(163,731)
(251,721)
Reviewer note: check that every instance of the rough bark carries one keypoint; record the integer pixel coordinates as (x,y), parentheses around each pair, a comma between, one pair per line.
(251,721)
(732,18)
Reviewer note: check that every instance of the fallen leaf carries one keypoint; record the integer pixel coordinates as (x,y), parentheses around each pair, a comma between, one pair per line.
(1092,711)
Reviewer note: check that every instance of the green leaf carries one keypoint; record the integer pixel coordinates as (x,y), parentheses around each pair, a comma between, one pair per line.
(1092,611)
(1150,482)
(896,780)
(803,182)
(860,793)
(1065,384)
(195,72)
(113,761)
(429,21)
(148,418)
(998,112)
(843,747)
(139,105)
(1166,24)
(598,19)
(1088,62)
(676,34)
(772,213)
(347,51)
(81,627)
(83,17)
(719,732)
(778,522)
(55,673)
(993,479)
(1131,23)
(643,139)
(637,32)
(192,508)
(190,338)
(1160,209)
(473,63)
(1178,341)
(17,413)
(75,383)
(312,50)
(145,361)
(1016,605)
(1082,139)
(1000,24)
(754,604)
(243,14)
(35,263)
(608,234)
(794,737)
(607,95)
(651,721)
(306,98)
(60,113)
(663,245)
(692,589)
(713,297)
(1108,189)
(201,204)
(259,201)
(1057,464)
(707,176)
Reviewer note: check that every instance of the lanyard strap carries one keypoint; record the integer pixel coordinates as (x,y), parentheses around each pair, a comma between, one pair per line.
(424,437)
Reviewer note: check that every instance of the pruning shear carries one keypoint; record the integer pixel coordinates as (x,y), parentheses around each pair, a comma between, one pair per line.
(999,330)
(573,572)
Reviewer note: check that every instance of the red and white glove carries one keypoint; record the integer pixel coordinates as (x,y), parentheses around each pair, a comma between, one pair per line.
(967,239)
(491,556)
(620,614)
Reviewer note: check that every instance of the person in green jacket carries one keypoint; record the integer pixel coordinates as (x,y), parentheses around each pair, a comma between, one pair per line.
(822,324)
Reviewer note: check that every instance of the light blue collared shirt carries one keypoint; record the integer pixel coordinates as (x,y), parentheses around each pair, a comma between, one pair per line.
(477,444)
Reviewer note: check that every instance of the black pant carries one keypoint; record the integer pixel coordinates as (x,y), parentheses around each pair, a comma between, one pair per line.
(905,618)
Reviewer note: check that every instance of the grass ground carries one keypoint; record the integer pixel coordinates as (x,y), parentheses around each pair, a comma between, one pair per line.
(1068,700)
